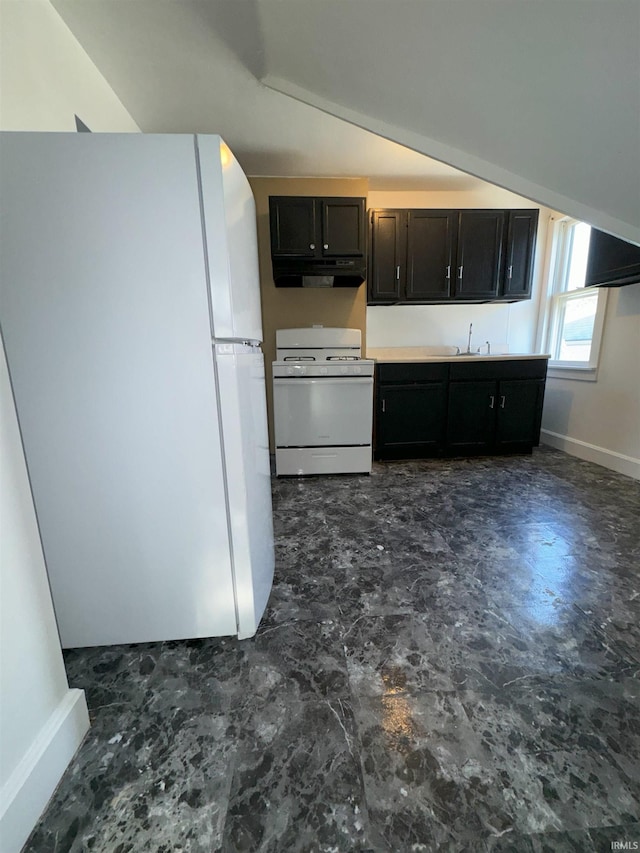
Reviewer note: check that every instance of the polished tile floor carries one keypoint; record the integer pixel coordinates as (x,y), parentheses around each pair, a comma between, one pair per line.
(450,661)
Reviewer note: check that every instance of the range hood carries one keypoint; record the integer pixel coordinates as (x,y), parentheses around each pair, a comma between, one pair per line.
(313,272)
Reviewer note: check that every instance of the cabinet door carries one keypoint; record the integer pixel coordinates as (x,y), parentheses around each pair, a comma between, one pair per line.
(479,257)
(293,227)
(430,246)
(520,247)
(519,412)
(472,416)
(410,420)
(611,260)
(388,253)
(343,232)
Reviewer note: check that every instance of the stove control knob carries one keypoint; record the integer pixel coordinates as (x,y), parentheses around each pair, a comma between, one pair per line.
(323,370)
(357,369)
(289,371)
(344,370)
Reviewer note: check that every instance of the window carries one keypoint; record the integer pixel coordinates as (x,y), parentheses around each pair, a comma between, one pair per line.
(574,315)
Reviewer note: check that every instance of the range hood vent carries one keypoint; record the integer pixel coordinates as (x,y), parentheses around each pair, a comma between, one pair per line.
(347,272)
(318,280)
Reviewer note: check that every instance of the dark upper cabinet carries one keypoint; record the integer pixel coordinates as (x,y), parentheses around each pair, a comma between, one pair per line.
(479,255)
(412,255)
(431,243)
(388,247)
(293,227)
(612,261)
(520,247)
(305,227)
(437,256)
(343,227)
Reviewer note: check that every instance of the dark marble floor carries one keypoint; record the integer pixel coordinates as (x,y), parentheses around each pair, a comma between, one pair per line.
(450,661)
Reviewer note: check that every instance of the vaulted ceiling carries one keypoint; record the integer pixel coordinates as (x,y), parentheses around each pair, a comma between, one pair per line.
(539,96)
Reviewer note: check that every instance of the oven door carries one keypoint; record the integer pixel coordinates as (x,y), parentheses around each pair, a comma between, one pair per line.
(327,411)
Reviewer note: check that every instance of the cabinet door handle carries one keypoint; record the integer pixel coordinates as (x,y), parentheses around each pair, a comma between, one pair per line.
(326,245)
(312,245)
(384,405)
(502,401)
(493,401)
(510,271)
(448,271)
(460,272)
(398,273)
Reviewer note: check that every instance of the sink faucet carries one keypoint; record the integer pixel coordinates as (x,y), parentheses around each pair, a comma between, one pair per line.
(488,348)
(469,341)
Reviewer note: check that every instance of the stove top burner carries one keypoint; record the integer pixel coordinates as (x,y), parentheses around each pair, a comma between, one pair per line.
(343,358)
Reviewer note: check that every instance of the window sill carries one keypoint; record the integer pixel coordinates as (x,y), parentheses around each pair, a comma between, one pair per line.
(572,371)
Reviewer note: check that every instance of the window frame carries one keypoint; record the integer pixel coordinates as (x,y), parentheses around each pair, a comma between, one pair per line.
(554,302)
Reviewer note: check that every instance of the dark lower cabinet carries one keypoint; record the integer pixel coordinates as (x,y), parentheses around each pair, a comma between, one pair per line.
(411,410)
(495,406)
(412,420)
(519,412)
(458,408)
(471,416)
(498,416)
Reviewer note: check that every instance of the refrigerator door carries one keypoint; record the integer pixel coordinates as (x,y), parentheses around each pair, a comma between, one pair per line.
(231,243)
(243,412)
(106,327)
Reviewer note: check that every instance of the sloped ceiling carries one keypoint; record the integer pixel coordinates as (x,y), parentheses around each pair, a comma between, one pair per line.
(539,96)
(180,66)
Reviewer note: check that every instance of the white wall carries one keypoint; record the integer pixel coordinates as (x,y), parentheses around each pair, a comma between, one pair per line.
(42,722)
(45,79)
(509,327)
(600,420)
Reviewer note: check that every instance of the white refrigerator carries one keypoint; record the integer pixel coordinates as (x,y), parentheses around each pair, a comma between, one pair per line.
(130,312)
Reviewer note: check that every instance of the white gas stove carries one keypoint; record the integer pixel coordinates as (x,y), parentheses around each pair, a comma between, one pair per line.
(323,402)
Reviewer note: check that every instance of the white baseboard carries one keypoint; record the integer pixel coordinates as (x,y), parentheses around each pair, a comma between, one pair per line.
(27,791)
(592,453)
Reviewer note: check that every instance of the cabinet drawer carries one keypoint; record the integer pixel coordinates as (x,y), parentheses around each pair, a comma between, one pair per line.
(517,369)
(419,371)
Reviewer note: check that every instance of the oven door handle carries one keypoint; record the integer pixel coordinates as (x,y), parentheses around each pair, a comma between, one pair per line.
(312,380)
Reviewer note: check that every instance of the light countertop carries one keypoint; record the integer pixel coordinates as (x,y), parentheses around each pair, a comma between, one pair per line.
(435,354)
